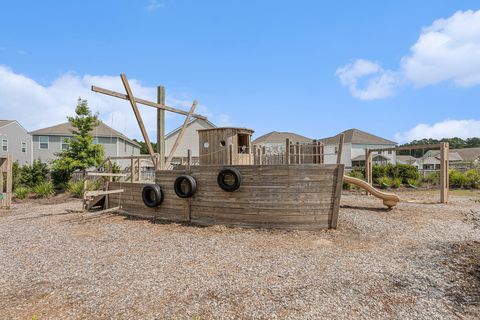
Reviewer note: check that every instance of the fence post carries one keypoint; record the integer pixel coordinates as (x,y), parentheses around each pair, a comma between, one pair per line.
(287,151)
(444,172)
(340,149)
(230,154)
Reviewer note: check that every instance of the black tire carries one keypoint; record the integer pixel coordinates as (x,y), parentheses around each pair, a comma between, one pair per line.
(152,195)
(237,179)
(191,183)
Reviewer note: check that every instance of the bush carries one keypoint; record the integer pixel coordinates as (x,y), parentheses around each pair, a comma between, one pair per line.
(75,188)
(21,192)
(473,178)
(414,182)
(357,174)
(384,182)
(396,183)
(457,179)
(60,178)
(432,178)
(33,175)
(44,190)
(403,171)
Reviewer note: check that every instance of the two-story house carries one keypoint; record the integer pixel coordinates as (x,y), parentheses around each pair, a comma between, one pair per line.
(47,142)
(354,145)
(274,142)
(15,140)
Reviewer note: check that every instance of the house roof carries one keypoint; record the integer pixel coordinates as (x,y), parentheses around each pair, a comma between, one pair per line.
(466,154)
(5,122)
(406,159)
(358,137)
(362,157)
(102,130)
(171,133)
(276,136)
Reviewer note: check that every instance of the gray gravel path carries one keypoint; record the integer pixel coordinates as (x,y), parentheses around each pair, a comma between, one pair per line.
(415,262)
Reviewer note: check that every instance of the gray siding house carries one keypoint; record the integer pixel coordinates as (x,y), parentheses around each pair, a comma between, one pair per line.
(274,142)
(47,142)
(15,140)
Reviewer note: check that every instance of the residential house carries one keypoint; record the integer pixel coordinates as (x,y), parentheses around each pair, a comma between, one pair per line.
(15,140)
(458,158)
(274,142)
(354,145)
(47,142)
(190,138)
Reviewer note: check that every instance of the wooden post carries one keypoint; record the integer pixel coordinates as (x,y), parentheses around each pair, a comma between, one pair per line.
(138,116)
(259,151)
(230,154)
(297,152)
(444,164)
(161,128)
(189,159)
(322,153)
(132,169)
(254,150)
(139,172)
(287,151)
(340,149)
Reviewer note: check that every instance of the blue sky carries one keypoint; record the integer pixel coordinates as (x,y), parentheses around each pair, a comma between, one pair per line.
(311,67)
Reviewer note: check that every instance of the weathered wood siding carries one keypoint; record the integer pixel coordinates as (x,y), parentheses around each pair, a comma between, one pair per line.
(270,196)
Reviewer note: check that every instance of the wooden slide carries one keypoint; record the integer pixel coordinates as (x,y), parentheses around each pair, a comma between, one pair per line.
(389,199)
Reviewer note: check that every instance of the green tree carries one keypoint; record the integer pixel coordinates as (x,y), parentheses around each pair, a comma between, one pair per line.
(32,175)
(143,146)
(81,153)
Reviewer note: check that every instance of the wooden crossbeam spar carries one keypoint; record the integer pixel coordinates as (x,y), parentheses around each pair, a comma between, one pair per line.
(145,102)
(423,146)
(102,192)
(130,157)
(105,174)
(138,116)
(96,213)
(180,135)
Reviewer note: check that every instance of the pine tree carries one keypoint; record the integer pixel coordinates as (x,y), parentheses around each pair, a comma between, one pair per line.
(81,152)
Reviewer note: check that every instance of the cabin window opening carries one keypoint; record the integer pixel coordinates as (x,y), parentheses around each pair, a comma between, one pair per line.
(205,145)
(222,143)
(243,143)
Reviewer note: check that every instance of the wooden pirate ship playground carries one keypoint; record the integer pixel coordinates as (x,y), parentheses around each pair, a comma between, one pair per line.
(232,184)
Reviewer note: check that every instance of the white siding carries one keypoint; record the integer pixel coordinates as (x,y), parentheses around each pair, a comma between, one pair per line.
(190,139)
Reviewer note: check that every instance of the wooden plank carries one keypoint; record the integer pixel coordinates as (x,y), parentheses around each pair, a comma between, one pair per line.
(340,148)
(96,213)
(102,192)
(338,193)
(138,116)
(181,133)
(144,102)
(444,164)
(105,174)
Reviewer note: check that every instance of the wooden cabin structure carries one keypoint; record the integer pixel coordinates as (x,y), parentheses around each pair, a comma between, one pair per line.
(225,146)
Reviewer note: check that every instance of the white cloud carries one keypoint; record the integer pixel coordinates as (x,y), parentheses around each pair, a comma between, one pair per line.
(380,82)
(36,106)
(444,129)
(447,50)
(154,5)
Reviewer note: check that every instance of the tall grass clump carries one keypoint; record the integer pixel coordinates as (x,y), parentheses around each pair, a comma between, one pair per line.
(21,192)
(44,190)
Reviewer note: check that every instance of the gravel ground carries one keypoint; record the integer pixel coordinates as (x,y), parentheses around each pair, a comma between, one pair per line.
(417,261)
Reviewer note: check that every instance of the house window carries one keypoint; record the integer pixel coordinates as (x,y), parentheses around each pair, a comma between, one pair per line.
(389,151)
(336,150)
(65,143)
(95,140)
(24,147)
(44,141)
(5,145)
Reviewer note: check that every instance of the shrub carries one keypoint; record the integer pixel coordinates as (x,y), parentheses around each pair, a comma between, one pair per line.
(384,182)
(22,192)
(457,179)
(357,174)
(60,178)
(35,174)
(75,188)
(396,183)
(44,190)
(473,178)
(432,178)
(414,182)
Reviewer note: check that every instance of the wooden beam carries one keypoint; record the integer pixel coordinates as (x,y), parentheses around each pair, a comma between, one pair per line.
(138,116)
(287,151)
(144,102)
(444,183)
(105,174)
(102,192)
(340,148)
(96,213)
(144,156)
(180,134)
(423,146)
(161,127)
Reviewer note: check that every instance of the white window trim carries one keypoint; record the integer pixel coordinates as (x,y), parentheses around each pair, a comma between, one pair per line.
(5,144)
(40,143)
